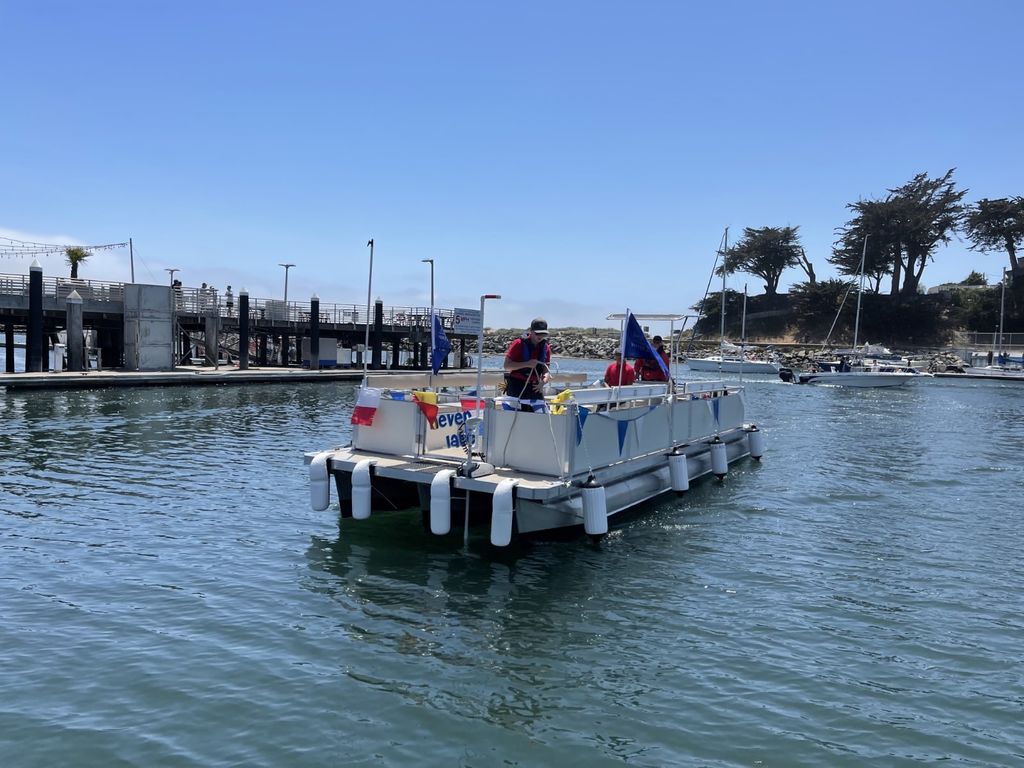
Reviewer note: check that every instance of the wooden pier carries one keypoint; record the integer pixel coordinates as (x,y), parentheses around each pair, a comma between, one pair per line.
(155,329)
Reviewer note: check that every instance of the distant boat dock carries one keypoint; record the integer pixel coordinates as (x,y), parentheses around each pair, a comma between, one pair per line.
(139,334)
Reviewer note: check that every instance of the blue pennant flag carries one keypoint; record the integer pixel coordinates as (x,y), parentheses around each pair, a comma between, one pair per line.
(623,426)
(440,346)
(581,419)
(635,344)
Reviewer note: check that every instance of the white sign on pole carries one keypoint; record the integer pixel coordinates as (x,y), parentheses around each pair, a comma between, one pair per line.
(468,321)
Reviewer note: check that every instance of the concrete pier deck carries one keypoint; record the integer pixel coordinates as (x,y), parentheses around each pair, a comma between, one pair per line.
(191,376)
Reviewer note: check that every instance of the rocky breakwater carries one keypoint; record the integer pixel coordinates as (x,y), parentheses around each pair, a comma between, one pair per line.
(932,362)
(585,343)
(945,362)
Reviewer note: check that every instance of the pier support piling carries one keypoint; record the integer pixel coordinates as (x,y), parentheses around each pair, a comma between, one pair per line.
(9,346)
(212,342)
(314,333)
(76,339)
(34,338)
(376,339)
(243,330)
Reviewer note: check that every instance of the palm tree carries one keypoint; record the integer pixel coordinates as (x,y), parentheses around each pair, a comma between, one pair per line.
(75,256)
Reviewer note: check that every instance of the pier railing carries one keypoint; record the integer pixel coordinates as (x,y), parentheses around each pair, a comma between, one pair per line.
(996,341)
(344,314)
(61,288)
(205,301)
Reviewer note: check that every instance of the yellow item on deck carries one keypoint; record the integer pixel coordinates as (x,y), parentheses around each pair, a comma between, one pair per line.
(563,397)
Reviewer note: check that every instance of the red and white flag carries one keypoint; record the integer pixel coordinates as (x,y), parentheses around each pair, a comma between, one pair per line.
(366,406)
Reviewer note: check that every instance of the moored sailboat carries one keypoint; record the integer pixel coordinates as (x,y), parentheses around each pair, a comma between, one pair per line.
(859,373)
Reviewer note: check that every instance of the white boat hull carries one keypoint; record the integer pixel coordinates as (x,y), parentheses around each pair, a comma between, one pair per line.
(622,437)
(716,365)
(860,378)
(992,373)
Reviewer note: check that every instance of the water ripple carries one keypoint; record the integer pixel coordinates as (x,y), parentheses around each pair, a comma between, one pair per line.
(170,599)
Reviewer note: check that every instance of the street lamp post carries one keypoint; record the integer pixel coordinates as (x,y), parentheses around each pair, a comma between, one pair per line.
(431,263)
(286,268)
(172,271)
(287,314)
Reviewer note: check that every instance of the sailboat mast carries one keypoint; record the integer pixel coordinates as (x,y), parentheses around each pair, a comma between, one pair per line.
(721,338)
(743,333)
(1002,309)
(860,291)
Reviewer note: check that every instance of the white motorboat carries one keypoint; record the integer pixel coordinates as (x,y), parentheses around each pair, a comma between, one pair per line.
(880,376)
(731,364)
(1006,368)
(993,372)
(588,455)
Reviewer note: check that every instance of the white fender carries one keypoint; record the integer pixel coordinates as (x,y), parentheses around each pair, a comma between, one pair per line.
(755,438)
(678,471)
(361,490)
(719,459)
(595,508)
(501,513)
(441,502)
(320,482)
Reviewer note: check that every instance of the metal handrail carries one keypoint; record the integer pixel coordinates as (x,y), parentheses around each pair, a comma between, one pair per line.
(203,301)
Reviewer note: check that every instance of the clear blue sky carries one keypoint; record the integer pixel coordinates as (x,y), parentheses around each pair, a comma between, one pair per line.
(575,157)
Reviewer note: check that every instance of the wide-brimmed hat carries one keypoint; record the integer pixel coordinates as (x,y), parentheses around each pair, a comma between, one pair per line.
(539,326)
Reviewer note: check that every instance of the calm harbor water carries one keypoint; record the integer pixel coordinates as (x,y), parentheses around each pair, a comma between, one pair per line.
(168,598)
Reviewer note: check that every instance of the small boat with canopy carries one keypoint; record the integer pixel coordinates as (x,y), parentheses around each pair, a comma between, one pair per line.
(466,455)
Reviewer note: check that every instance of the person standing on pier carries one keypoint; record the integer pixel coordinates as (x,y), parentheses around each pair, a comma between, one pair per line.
(229,301)
(526,364)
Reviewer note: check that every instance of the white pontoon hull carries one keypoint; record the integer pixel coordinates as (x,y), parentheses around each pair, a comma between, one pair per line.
(621,436)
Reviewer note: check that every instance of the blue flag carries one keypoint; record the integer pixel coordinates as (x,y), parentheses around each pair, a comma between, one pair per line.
(440,346)
(635,344)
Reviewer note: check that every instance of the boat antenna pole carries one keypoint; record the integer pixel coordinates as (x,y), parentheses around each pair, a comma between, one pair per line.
(860,291)
(480,351)
(369,288)
(622,351)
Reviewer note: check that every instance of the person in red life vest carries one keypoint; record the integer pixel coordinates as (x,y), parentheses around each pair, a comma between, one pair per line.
(526,364)
(611,373)
(647,369)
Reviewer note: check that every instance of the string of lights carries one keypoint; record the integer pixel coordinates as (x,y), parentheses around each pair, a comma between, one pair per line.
(11,247)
